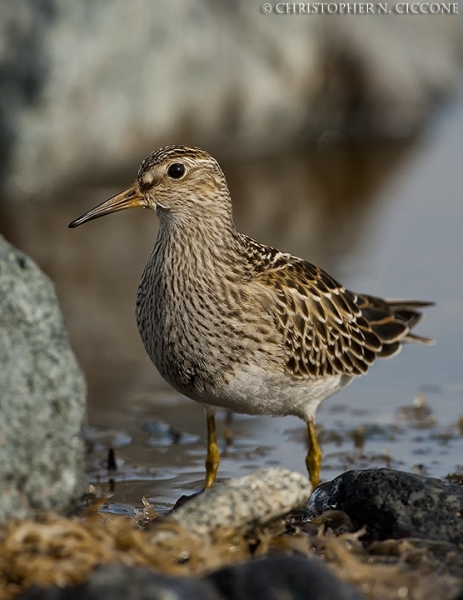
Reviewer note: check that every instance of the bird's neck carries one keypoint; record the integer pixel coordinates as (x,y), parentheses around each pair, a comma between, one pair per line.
(197,245)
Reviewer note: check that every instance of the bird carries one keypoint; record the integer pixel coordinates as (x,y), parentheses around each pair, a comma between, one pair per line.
(233,323)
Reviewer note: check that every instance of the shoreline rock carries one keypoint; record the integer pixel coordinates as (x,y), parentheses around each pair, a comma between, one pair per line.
(42,395)
(394,504)
(245,503)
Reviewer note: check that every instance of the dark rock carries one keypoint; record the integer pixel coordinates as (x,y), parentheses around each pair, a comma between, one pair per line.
(116,582)
(394,504)
(292,578)
(42,395)
(459,596)
(277,577)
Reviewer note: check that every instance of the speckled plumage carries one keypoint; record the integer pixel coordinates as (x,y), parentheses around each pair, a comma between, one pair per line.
(231,322)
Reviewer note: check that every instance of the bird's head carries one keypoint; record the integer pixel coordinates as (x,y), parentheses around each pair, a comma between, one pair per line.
(179,182)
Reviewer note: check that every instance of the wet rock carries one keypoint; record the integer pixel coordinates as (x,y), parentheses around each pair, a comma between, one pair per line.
(244,503)
(393,504)
(295,578)
(253,82)
(116,582)
(42,395)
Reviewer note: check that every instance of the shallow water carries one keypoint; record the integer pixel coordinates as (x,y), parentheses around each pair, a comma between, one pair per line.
(383,220)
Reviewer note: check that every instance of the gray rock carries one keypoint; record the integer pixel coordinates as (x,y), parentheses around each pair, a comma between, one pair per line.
(116,582)
(77,98)
(244,503)
(394,504)
(42,395)
(281,577)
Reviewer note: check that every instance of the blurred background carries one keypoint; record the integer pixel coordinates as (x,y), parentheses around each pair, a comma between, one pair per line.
(341,137)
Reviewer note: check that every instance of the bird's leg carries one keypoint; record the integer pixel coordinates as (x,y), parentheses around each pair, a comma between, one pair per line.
(314,455)
(213,454)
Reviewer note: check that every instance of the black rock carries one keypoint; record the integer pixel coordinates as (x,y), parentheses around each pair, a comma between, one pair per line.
(281,577)
(115,582)
(393,504)
(273,578)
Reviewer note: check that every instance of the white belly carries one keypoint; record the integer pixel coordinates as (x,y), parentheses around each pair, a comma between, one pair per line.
(254,391)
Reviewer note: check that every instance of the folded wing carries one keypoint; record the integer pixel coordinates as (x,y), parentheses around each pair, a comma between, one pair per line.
(327,329)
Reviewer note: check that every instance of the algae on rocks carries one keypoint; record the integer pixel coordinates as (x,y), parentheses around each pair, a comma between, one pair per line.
(42,395)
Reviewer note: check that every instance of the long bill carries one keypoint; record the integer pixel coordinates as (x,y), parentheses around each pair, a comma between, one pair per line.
(129,198)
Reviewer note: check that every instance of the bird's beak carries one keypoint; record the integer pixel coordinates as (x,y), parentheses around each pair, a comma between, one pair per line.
(129,198)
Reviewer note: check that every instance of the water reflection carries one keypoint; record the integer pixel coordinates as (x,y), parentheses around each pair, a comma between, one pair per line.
(326,204)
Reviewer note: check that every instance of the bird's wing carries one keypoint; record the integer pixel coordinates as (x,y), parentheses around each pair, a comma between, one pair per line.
(328,330)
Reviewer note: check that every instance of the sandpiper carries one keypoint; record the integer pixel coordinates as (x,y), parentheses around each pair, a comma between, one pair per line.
(232,323)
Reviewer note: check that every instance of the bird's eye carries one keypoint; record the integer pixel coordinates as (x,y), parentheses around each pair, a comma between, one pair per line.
(176,170)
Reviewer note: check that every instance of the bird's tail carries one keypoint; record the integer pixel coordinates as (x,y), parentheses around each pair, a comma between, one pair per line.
(407,312)
(392,321)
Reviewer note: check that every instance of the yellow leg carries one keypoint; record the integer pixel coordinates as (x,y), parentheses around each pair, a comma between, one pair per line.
(213,454)
(314,456)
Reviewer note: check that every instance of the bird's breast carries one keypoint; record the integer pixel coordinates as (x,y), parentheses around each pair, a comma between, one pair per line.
(199,332)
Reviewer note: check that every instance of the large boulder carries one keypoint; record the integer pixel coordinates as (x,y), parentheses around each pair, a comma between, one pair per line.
(42,395)
(92,86)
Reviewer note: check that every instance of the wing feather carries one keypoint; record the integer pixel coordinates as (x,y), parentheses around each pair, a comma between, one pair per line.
(326,329)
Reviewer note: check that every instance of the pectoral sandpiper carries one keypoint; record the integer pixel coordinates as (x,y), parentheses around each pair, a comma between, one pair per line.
(230,322)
